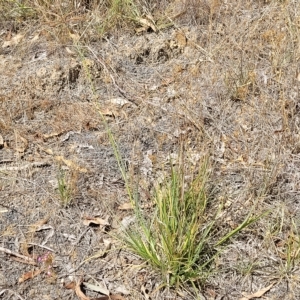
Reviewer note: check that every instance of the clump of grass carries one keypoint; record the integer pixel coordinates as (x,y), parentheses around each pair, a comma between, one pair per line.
(15,10)
(118,12)
(181,238)
(64,189)
(63,19)
(290,253)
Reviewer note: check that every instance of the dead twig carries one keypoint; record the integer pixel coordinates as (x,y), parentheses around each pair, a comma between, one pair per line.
(26,259)
(41,246)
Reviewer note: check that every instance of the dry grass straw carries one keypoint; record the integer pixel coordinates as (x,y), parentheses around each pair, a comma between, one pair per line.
(252,77)
(68,20)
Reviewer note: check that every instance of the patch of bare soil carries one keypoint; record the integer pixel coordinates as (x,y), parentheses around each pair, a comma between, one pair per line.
(154,90)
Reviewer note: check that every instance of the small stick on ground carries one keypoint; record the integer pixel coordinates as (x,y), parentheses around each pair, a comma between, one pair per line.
(25,258)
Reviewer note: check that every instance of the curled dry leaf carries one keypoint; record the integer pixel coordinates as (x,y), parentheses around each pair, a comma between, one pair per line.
(70,285)
(30,275)
(76,287)
(79,292)
(95,220)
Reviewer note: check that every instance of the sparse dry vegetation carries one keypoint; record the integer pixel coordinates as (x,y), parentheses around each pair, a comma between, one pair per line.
(97,98)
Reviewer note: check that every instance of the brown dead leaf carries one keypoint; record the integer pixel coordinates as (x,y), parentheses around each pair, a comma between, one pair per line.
(79,293)
(95,220)
(258,294)
(76,287)
(70,286)
(30,275)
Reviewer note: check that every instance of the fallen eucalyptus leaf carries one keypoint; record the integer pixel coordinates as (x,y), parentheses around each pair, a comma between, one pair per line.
(96,288)
(258,294)
(30,275)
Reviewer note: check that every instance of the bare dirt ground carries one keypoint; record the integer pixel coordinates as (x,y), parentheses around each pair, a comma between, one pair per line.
(227,86)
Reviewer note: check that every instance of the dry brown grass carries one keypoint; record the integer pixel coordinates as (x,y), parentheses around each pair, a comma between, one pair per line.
(223,75)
